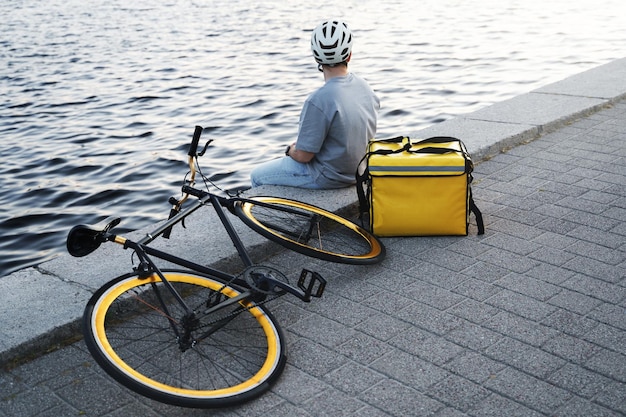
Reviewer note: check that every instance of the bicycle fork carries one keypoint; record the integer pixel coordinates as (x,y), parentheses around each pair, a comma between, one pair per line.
(188,322)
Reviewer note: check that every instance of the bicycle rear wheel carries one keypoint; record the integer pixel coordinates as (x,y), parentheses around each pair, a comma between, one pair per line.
(310,230)
(215,360)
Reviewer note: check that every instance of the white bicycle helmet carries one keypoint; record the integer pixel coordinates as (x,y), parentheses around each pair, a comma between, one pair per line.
(331,43)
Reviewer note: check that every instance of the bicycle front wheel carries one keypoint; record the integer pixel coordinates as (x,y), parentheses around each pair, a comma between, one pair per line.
(310,230)
(139,334)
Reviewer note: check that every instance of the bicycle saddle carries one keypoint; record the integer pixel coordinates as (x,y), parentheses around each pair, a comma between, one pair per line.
(86,238)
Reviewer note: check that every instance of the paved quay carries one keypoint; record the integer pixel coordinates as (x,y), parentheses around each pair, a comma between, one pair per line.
(528,319)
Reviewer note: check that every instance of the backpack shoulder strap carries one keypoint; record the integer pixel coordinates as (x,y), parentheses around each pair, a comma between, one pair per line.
(361,183)
(479,216)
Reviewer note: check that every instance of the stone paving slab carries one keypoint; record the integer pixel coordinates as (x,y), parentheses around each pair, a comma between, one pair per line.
(606,82)
(525,320)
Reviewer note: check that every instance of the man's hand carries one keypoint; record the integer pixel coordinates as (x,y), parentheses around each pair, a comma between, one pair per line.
(298,155)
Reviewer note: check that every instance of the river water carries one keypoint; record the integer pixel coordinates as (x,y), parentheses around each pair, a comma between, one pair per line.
(98,100)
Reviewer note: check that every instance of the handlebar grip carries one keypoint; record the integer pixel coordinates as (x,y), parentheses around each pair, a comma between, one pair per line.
(194,191)
(194,141)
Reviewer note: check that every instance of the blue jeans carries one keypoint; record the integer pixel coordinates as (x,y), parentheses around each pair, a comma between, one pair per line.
(286,171)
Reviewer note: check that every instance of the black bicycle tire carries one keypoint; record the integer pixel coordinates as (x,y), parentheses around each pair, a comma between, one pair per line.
(199,399)
(373,252)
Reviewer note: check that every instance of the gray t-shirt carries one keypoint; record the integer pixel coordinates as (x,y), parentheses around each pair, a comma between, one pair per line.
(336,123)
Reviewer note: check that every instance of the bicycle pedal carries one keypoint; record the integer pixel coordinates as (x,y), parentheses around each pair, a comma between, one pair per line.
(311,283)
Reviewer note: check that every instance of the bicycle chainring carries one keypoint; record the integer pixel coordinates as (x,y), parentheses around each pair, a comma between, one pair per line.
(256,277)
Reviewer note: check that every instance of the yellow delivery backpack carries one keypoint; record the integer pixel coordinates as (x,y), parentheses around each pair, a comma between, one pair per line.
(417,189)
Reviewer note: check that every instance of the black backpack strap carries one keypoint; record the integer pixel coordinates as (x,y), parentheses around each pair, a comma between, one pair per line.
(397,139)
(479,216)
(361,182)
(438,139)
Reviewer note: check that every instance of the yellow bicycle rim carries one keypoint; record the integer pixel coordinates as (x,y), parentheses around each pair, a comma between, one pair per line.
(107,299)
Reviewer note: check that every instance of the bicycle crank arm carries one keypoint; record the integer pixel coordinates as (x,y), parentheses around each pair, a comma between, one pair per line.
(223,304)
(310,284)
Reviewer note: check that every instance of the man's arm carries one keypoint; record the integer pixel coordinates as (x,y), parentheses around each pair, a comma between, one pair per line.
(298,155)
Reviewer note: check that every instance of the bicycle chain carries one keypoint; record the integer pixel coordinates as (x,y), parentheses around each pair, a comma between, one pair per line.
(252,303)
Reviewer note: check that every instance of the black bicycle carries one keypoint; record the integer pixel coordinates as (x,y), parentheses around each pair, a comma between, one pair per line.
(198,336)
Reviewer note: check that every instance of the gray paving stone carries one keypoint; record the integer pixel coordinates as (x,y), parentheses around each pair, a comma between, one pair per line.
(433,349)
(512,225)
(524,357)
(609,363)
(286,409)
(596,288)
(584,408)
(520,328)
(579,380)
(574,301)
(445,258)
(353,378)
(497,405)
(384,327)
(597,252)
(476,289)
(313,358)
(610,314)
(508,260)
(437,275)
(520,304)
(526,285)
(571,348)
(31,402)
(532,392)
(301,386)
(594,269)
(332,403)
(399,399)
(473,336)
(598,233)
(458,392)
(449,412)
(388,302)
(550,273)
(409,370)
(613,397)
(341,310)
(569,322)
(552,256)
(432,295)
(485,271)
(364,349)
(474,366)
(429,318)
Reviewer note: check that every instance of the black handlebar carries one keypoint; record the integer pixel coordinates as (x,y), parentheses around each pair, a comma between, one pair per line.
(194,191)
(193,148)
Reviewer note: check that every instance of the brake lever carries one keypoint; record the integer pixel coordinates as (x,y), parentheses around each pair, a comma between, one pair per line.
(205,147)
